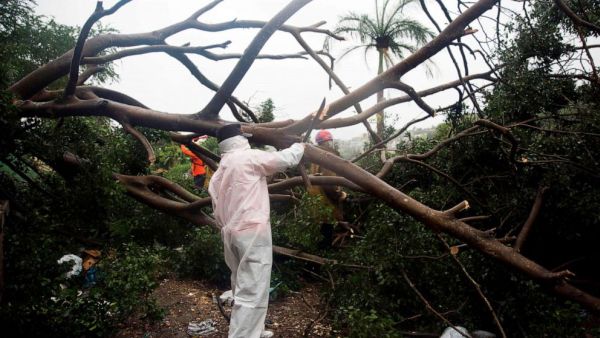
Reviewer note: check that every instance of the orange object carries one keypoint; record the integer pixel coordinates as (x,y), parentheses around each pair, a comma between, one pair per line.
(323,136)
(197,164)
(91,258)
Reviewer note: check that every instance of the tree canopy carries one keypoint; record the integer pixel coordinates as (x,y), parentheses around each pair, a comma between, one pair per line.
(490,222)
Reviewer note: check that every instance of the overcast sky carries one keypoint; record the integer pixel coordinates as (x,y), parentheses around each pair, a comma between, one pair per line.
(295,86)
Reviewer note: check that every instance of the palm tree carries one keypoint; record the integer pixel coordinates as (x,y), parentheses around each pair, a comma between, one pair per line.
(390,33)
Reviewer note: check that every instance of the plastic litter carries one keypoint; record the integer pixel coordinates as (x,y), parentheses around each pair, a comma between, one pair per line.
(450,332)
(204,328)
(77,266)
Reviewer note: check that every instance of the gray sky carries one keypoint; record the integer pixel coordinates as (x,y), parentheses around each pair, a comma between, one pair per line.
(296,86)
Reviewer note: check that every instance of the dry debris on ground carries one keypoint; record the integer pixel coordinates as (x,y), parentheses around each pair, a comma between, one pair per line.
(192,301)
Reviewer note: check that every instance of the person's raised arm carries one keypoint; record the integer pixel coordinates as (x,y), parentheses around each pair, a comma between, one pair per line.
(269,163)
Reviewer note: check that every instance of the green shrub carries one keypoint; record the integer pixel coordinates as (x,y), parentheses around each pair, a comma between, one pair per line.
(202,257)
(364,324)
(53,306)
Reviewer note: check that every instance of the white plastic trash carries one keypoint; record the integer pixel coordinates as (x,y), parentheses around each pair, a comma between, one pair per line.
(77,264)
(206,327)
(450,332)
(482,334)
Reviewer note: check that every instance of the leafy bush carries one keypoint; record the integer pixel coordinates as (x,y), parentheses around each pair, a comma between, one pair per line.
(360,323)
(299,227)
(202,257)
(62,307)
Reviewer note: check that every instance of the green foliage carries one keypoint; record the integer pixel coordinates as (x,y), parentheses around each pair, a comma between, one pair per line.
(28,41)
(202,257)
(133,270)
(587,10)
(265,111)
(558,149)
(58,207)
(389,30)
(299,228)
(60,307)
(362,323)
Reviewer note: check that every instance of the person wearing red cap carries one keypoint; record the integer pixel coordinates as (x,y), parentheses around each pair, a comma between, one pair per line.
(332,196)
(198,169)
(324,136)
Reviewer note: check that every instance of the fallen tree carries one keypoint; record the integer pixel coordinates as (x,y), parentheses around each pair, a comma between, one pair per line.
(82,100)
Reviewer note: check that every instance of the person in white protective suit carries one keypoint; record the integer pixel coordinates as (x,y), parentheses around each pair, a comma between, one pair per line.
(241,207)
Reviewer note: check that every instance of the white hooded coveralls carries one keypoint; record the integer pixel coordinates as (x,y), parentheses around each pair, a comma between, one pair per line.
(241,207)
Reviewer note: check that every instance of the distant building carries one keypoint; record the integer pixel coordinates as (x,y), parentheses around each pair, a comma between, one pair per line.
(355,146)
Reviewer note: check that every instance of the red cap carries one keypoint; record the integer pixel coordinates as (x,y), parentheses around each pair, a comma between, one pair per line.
(323,136)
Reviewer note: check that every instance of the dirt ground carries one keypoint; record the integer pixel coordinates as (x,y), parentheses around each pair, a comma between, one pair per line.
(192,301)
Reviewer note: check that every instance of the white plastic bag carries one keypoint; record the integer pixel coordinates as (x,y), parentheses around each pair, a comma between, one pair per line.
(77,264)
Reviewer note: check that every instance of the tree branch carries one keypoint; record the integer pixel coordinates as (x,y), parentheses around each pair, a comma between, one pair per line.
(576,19)
(224,93)
(143,140)
(535,210)
(88,73)
(477,288)
(99,13)
(428,305)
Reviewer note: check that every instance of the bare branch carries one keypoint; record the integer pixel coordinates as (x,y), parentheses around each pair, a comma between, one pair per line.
(396,134)
(184,60)
(428,305)
(413,95)
(333,76)
(504,131)
(343,122)
(224,93)
(143,140)
(576,19)
(88,73)
(535,210)
(477,288)
(199,50)
(474,218)
(203,10)
(314,180)
(99,13)
(142,189)
(464,205)
(151,49)
(41,77)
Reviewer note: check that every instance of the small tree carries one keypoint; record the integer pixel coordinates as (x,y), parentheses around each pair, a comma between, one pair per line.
(265,111)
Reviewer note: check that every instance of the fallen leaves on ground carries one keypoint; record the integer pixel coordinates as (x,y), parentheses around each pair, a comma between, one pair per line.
(188,301)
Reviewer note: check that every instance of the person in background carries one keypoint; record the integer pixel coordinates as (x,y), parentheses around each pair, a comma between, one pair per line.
(331,196)
(198,168)
(240,200)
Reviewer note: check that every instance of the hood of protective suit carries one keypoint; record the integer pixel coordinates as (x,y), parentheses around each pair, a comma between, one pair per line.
(233,144)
